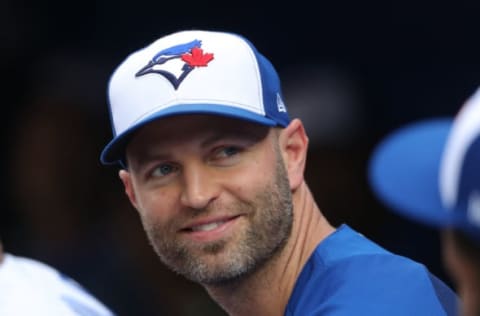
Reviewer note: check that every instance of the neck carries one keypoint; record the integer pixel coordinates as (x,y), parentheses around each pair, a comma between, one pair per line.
(267,290)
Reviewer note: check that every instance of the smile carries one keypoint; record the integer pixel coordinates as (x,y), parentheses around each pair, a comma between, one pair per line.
(207,227)
(211,230)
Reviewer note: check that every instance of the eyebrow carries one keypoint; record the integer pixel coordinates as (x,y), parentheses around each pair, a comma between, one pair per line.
(234,135)
(250,135)
(215,138)
(153,153)
(143,158)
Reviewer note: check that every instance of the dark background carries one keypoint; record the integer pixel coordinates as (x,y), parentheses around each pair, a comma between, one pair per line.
(353,70)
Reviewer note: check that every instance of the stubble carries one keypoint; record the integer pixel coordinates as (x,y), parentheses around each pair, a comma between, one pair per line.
(269,227)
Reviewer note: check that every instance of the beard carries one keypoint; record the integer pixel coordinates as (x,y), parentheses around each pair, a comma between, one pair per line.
(270,220)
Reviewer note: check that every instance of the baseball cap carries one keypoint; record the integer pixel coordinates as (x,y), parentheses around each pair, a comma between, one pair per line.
(429,170)
(192,72)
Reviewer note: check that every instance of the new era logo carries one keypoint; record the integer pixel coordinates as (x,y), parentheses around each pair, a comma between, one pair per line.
(280,105)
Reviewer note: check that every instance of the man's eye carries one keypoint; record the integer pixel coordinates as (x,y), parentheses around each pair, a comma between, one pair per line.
(229,151)
(163,170)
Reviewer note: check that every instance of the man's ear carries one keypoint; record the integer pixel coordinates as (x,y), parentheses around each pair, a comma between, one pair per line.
(293,142)
(126,178)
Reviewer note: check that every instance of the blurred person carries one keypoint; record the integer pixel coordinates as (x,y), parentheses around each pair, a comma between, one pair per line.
(429,172)
(215,168)
(30,287)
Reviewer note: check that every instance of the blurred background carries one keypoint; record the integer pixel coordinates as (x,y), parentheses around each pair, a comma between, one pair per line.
(352,70)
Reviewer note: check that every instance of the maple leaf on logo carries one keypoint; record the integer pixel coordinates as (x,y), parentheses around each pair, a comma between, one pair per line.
(197,58)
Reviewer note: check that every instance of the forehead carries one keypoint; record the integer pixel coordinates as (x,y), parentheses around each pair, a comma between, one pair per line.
(181,128)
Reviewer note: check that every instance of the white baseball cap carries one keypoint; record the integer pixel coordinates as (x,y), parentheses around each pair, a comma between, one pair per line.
(192,71)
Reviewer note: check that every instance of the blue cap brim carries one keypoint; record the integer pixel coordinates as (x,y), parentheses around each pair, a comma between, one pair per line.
(114,151)
(404,171)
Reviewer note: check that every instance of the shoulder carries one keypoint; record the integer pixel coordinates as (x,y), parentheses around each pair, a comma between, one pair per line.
(371,280)
(30,287)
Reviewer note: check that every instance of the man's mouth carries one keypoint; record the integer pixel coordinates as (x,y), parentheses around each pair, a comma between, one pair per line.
(207,227)
(209,230)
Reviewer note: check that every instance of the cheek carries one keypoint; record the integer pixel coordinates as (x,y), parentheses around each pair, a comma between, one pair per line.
(158,205)
(249,181)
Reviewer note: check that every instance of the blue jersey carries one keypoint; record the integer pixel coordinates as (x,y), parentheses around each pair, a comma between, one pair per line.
(348,274)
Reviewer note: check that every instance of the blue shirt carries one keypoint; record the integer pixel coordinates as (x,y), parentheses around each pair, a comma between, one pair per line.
(348,274)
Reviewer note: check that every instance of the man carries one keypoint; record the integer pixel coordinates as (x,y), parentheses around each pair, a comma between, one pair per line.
(30,287)
(214,166)
(429,171)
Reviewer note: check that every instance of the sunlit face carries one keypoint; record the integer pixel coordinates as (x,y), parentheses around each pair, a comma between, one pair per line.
(212,193)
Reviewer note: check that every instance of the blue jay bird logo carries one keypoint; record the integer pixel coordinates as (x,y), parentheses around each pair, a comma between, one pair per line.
(190,53)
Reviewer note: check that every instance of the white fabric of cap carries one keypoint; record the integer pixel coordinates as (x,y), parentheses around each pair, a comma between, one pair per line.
(465,130)
(240,88)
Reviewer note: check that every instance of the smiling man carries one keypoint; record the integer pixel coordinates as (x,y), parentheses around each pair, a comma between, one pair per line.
(209,231)
(215,167)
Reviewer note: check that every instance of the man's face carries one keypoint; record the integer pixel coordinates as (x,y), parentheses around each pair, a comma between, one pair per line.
(212,193)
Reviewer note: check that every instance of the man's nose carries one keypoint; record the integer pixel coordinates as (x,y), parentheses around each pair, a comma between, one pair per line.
(199,187)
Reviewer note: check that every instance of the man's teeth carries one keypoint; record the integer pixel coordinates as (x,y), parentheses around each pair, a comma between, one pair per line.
(207,227)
